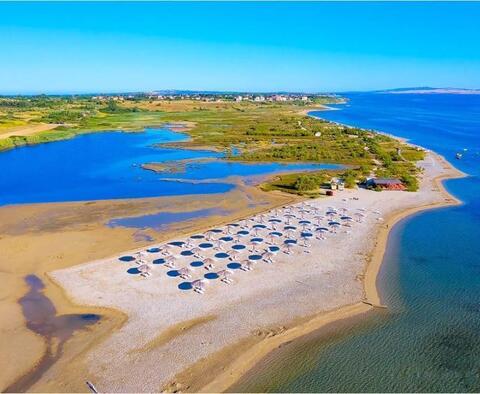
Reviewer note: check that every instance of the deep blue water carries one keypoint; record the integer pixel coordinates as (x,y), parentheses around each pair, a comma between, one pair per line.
(106,165)
(445,123)
(429,339)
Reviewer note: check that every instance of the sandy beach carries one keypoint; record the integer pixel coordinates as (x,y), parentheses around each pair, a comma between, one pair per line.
(39,238)
(179,340)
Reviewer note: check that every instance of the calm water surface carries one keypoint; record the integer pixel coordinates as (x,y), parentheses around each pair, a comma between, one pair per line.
(162,220)
(106,165)
(429,340)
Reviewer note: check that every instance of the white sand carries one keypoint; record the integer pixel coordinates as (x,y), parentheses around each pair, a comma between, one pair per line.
(296,285)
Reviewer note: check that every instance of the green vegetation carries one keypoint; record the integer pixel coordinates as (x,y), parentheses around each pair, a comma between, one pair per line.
(259,131)
(311,183)
(305,184)
(113,108)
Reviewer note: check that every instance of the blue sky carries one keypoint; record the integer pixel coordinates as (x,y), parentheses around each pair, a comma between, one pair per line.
(112,47)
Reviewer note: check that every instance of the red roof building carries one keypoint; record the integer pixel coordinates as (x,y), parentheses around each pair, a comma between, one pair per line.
(388,184)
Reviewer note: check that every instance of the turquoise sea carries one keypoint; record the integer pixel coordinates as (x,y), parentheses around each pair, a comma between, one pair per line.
(429,339)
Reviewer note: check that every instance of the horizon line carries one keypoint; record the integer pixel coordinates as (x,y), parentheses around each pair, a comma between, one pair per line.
(199,91)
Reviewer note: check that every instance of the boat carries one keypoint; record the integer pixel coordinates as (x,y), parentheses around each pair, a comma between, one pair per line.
(458,156)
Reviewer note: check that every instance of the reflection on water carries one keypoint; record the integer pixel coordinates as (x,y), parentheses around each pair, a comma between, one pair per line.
(41,317)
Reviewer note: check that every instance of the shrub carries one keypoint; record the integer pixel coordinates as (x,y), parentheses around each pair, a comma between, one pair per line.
(306,183)
(410,182)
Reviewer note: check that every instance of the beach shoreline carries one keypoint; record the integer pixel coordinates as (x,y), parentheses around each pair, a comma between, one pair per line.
(372,298)
(376,257)
(69,245)
(254,355)
(219,370)
(257,350)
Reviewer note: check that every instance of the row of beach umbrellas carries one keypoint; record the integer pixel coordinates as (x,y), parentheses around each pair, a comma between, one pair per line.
(268,233)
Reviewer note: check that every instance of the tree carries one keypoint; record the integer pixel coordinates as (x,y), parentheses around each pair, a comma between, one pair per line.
(306,183)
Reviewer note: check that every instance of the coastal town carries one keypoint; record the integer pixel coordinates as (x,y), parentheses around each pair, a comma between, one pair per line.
(216,97)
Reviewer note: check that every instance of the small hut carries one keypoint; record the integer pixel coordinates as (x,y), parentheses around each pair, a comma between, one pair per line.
(337,184)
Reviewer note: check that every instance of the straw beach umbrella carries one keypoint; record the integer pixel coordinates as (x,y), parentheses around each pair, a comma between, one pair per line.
(205,245)
(258,227)
(359,216)
(244,223)
(289,243)
(274,223)
(334,225)
(321,232)
(290,230)
(226,239)
(211,233)
(141,254)
(242,234)
(255,242)
(225,276)
(208,263)
(225,272)
(168,249)
(268,256)
(254,257)
(289,217)
(306,236)
(231,226)
(170,261)
(305,223)
(221,255)
(178,244)
(185,273)
(144,269)
(274,235)
(247,266)
(199,285)
(319,218)
(238,247)
(197,252)
(234,253)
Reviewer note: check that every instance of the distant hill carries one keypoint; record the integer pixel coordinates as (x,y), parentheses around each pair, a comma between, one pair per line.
(429,90)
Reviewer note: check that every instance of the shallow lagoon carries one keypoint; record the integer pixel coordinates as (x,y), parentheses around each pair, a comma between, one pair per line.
(107,165)
(162,220)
